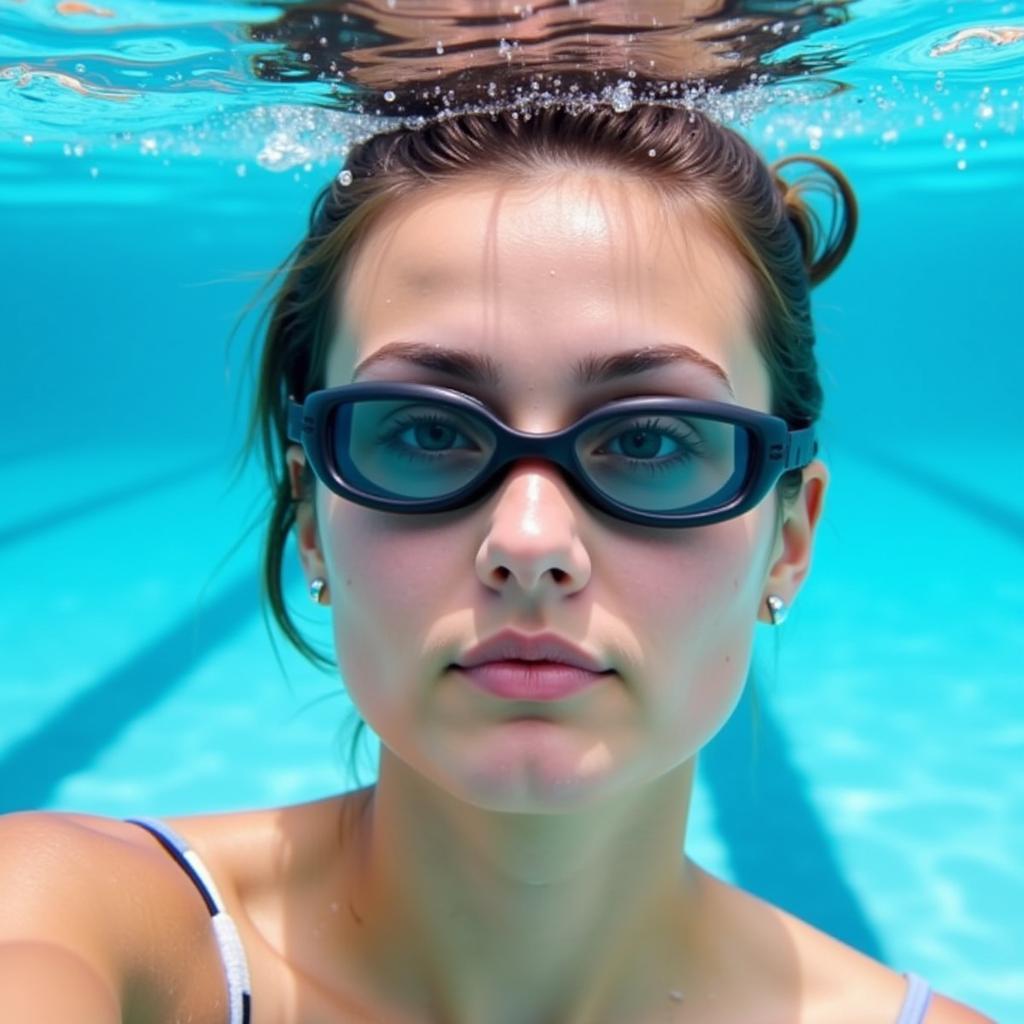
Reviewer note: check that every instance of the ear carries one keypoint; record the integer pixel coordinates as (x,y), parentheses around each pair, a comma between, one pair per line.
(306,532)
(791,556)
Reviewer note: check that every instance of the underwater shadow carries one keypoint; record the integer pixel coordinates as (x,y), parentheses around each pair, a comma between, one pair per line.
(17,532)
(68,741)
(778,846)
(994,515)
(26,453)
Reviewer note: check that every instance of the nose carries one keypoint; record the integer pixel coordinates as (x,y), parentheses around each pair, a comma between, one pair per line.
(533,543)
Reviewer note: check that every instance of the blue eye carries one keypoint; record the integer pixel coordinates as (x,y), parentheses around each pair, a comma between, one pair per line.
(425,436)
(654,445)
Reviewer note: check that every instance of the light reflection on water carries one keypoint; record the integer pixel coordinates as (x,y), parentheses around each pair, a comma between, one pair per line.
(288,89)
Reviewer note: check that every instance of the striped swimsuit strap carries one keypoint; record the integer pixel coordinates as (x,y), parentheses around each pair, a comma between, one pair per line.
(916,1001)
(228,940)
(915,1004)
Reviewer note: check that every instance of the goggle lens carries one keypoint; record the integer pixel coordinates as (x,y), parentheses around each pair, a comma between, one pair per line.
(418,449)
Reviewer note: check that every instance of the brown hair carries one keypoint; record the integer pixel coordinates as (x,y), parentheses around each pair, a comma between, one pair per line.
(681,152)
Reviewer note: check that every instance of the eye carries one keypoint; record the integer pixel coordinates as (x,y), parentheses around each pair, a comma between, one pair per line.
(426,434)
(656,443)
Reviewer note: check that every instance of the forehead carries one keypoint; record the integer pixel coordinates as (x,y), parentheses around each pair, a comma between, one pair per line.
(539,273)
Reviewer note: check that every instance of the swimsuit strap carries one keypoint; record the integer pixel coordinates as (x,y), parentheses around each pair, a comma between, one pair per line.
(917,1001)
(229,942)
(915,1004)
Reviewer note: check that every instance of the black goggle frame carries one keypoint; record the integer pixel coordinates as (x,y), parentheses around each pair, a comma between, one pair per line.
(774,448)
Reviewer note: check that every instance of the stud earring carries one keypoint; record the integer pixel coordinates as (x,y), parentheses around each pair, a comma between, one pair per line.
(777,609)
(316,588)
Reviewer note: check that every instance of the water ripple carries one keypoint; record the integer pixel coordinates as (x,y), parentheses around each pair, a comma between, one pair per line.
(888,79)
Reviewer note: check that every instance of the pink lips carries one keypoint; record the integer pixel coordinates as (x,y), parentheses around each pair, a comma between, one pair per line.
(539,667)
(524,680)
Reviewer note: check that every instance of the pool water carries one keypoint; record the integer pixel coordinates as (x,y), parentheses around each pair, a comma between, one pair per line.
(884,801)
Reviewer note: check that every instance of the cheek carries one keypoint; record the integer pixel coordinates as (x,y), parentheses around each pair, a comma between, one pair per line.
(684,591)
(693,604)
(388,586)
(395,569)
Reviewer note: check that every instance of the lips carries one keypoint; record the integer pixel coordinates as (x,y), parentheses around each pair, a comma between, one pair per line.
(509,645)
(531,680)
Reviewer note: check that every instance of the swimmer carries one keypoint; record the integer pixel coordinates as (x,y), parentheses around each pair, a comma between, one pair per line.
(540,401)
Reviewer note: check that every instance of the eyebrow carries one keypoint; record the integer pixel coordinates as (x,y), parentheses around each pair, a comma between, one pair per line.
(478,368)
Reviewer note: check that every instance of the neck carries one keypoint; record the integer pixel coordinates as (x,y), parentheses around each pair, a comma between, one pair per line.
(500,917)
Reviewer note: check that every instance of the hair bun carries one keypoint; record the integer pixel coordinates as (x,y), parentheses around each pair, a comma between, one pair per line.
(823,250)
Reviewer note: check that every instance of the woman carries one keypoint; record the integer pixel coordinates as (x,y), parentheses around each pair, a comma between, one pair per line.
(538,399)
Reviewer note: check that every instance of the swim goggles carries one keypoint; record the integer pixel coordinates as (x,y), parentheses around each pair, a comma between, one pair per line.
(654,461)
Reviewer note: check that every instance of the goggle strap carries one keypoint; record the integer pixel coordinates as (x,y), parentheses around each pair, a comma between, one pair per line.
(295,421)
(801,449)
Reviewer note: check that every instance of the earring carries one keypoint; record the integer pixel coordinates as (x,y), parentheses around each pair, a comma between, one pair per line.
(777,609)
(316,588)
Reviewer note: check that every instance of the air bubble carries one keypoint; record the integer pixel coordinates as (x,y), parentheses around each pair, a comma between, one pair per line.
(622,97)
(94,172)
(345,177)
(961,165)
(440,46)
(652,152)
(281,152)
(890,135)
(389,96)
(241,170)
(80,69)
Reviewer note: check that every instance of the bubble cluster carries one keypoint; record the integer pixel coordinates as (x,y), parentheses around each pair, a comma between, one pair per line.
(955,101)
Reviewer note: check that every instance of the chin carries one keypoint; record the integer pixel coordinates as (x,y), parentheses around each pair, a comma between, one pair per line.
(535,766)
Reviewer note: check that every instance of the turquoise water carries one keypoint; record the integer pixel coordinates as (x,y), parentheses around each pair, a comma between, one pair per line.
(886,800)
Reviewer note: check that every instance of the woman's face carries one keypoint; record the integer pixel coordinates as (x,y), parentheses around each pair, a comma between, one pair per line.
(538,275)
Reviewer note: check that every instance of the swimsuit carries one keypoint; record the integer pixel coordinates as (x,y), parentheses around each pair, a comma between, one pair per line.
(231,951)
(915,1004)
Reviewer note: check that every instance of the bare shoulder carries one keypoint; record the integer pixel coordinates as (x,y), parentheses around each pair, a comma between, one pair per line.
(104,891)
(825,979)
(258,850)
(944,1010)
(52,858)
